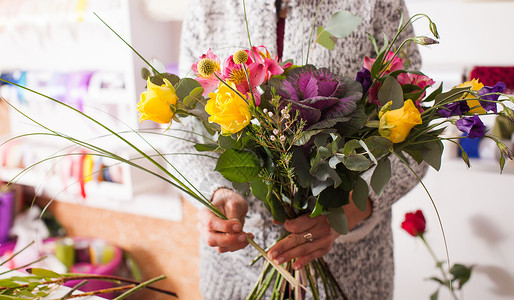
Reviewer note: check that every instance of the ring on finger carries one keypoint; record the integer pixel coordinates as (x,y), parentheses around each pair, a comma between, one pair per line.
(308,237)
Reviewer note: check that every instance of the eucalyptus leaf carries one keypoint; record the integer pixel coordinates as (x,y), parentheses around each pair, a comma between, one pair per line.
(185,86)
(378,145)
(145,73)
(391,90)
(301,167)
(351,146)
(193,97)
(238,166)
(357,162)
(158,80)
(317,186)
(337,219)
(381,176)
(325,39)
(360,194)
(342,23)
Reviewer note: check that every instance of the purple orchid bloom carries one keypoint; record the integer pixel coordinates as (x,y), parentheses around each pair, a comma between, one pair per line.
(322,98)
(487,93)
(364,77)
(457,108)
(472,126)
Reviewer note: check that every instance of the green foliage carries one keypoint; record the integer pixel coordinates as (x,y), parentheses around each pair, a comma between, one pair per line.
(338,221)
(360,193)
(340,25)
(391,90)
(238,165)
(461,274)
(381,175)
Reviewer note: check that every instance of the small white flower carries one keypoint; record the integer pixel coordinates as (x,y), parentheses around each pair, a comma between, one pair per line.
(273,138)
(287,116)
(265,110)
(282,138)
(270,114)
(275,131)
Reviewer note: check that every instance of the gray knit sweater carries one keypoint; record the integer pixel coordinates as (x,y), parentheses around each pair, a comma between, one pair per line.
(362,260)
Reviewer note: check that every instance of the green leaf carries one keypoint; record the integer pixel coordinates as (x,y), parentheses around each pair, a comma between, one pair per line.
(145,73)
(391,90)
(158,80)
(325,39)
(193,97)
(277,209)
(238,165)
(435,295)
(259,188)
(378,145)
(43,273)
(318,210)
(301,167)
(185,86)
(377,65)
(357,162)
(434,94)
(351,146)
(9,283)
(337,219)
(432,153)
(306,136)
(453,94)
(332,197)
(360,193)
(342,23)
(381,175)
(206,147)
(461,273)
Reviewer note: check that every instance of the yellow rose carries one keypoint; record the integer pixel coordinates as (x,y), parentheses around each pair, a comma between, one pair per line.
(157,103)
(475,106)
(396,124)
(228,110)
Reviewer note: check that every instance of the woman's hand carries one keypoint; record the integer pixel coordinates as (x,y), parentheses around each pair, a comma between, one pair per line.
(311,238)
(225,235)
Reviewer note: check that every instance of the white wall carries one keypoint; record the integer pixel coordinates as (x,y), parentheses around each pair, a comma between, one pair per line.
(475,204)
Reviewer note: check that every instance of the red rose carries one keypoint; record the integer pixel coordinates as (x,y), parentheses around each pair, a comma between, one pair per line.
(414,223)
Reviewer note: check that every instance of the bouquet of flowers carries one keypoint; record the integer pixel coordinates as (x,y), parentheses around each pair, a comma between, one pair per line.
(299,138)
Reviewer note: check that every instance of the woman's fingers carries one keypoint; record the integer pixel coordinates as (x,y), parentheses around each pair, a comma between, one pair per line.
(223,241)
(310,238)
(215,224)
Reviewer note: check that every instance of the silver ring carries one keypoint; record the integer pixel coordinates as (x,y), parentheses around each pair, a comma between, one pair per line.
(308,237)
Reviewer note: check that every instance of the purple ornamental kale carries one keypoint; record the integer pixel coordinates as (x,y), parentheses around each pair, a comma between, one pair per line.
(322,98)
(499,87)
(472,126)
(457,108)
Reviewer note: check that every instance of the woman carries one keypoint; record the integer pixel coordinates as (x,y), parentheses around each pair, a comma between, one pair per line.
(362,260)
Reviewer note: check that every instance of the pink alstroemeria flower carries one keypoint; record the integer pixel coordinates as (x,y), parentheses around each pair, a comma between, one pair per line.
(209,83)
(396,62)
(420,81)
(261,67)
